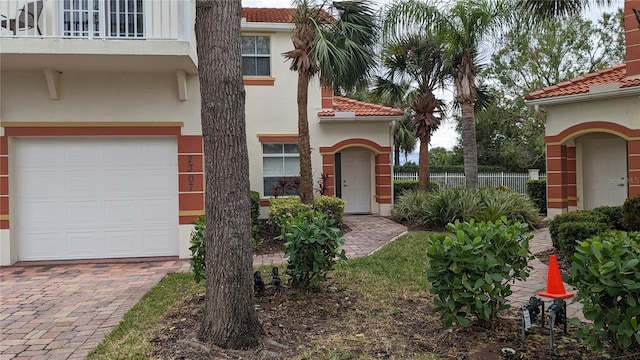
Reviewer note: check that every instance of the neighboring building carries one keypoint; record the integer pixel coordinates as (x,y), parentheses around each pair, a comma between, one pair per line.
(100,136)
(593,132)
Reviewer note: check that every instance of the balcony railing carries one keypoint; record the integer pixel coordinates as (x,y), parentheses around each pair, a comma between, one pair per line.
(97,19)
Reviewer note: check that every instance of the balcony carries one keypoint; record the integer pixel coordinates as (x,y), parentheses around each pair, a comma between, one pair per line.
(90,35)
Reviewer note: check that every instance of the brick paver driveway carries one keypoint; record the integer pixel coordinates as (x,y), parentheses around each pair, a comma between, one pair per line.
(63,311)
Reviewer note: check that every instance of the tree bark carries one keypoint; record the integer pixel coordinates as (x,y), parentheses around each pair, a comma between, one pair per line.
(306,177)
(470,149)
(396,154)
(423,163)
(229,319)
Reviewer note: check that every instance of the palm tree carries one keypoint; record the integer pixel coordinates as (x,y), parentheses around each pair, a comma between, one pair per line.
(554,9)
(418,59)
(463,27)
(337,49)
(398,95)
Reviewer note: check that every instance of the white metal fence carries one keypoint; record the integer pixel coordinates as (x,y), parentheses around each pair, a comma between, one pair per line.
(516,181)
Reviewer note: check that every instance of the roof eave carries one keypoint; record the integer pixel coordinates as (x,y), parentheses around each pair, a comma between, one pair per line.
(380,118)
(265,26)
(567,99)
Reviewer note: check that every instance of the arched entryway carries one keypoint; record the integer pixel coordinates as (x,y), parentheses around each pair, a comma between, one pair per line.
(359,171)
(592,164)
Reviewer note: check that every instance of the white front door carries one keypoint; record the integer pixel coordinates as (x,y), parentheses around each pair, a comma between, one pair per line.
(356,181)
(87,198)
(605,171)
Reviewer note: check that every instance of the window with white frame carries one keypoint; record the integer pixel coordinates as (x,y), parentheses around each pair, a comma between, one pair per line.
(280,169)
(256,56)
(103,18)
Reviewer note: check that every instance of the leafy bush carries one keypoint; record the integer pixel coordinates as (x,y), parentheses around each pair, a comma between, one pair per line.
(331,206)
(496,203)
(470,270)
(402,186)
(612,215)
(570,234)
(436,210)
(631,213)
(411,167)
(537,191)
(572,217)
(312,245)
(284,208)
(198,239)
(408,167)
(255,207)
(605,273)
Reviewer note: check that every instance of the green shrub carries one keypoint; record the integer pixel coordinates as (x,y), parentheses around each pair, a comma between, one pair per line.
(605,273)
(331,206)
(496,203)
(312,247)
(631,213)
(537,191)
(470,270)
(255,206)
(285,208)
(574,216)
(402,186)
(570,234)
(412,207)
(612,215)
(198,239)
(408,167)
(449,205)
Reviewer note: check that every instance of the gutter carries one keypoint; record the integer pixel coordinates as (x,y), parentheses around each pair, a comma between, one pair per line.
(630,91)
(357,119)
(262,26)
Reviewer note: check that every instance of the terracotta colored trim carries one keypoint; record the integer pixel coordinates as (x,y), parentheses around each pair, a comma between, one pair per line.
(190,212)
(556,151)
(556,200)
(592,127)
(4,224)
(355,142)
(571,152)
(572,198)
(265,202)
(78,124)
(187,220)
(4,145)
(278,138)
(633,162)
(190,182)
(4,204)
(4,165)
(258,81)
(91,131)
(633,147)
(190,144)
(191,201)
(4,185)
(633,191)
(191,163)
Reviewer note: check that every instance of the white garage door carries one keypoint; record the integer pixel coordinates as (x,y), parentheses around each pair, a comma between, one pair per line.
(96,198)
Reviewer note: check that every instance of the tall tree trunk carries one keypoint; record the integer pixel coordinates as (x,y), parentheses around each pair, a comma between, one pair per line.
(229,319)
(466,96)
(423,163)
(469,147)
(306,177)
(396,154)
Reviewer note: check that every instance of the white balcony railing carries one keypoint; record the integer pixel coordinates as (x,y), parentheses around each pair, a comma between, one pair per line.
(97,19)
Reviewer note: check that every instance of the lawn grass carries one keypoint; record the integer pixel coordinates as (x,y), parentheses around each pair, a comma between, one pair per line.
(395,271)
(130,339)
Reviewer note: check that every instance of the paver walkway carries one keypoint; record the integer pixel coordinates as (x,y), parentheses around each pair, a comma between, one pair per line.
(537,281)
(63,311)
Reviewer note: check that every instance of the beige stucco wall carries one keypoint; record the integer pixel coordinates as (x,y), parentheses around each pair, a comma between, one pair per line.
(624,111)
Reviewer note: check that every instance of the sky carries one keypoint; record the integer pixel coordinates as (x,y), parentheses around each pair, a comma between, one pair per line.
(446,136)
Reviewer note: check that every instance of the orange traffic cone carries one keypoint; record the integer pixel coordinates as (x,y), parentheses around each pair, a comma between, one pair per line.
(555,287)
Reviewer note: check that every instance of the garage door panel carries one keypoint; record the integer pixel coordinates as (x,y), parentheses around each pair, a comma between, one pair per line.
(156,241)
(85,244)
(83,213)
(96,198)
(122,243)
(122,181)
(158,180)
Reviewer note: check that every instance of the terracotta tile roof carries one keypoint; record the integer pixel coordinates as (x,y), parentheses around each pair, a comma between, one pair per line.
(343,104)
(581,84)
(268,15)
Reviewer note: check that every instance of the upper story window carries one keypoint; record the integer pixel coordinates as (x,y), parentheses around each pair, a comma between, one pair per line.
(280,169)
(256,56)
(103,18)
